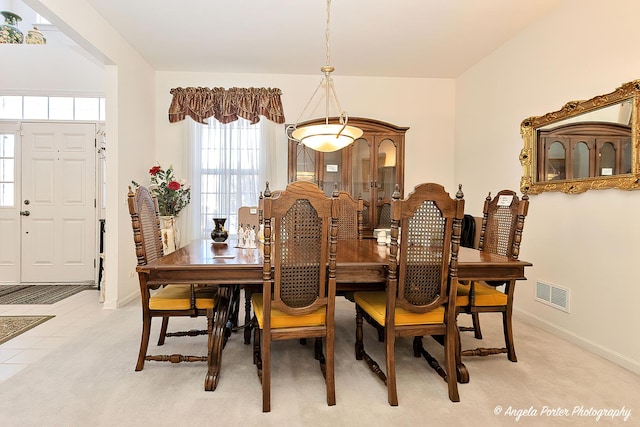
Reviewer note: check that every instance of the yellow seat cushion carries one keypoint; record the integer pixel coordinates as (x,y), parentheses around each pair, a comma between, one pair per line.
(485,295)
(375,303)
(178,297)
(280,319)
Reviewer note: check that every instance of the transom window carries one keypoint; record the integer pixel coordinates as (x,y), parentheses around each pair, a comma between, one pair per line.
(52,108)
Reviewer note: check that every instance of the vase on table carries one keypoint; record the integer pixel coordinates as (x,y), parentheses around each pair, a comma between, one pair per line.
(9,31)
(35,37)
(170,233)
(219,234)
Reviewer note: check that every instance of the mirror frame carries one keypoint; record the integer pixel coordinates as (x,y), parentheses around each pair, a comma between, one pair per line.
(529,156)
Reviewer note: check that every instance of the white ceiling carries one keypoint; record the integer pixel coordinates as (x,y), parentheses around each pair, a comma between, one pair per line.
(400,38)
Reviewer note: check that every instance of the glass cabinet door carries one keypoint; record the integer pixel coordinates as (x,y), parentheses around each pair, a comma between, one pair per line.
(386,173)
(331,173)
(305,164)
(361,179)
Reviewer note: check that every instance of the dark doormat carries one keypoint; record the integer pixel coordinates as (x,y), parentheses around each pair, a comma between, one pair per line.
(12,326)
(38,294)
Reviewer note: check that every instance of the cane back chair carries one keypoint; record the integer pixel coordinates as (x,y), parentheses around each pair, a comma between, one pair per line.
(298,293)
(421,283)
(350,215)
(163,301)
(384,213)
(501,233)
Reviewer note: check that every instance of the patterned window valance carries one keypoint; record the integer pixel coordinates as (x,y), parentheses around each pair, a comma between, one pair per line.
(226,105)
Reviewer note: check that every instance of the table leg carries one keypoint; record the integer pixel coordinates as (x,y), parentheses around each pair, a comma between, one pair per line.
(217,338)
(247,316)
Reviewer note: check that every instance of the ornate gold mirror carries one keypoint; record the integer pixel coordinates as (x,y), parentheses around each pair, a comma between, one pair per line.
(585,145)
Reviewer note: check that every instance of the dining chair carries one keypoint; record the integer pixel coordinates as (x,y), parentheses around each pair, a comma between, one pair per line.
(350,217)
(247,291)
(501,234)
(163,301)
(384,213)
(468,234)
(248,217)
(298,292)
(421,283)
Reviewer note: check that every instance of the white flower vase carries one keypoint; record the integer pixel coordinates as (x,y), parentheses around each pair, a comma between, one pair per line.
(170,234)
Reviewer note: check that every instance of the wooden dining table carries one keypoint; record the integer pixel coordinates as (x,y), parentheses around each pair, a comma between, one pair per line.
(360,265)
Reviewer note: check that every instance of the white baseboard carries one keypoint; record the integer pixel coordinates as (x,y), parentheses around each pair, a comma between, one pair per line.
(617,358)
(114,305)
(124,301)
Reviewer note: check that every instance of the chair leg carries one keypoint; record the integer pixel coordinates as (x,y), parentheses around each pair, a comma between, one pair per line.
(361,354)
(257,354)
(477,332)
(390,355)
(266,372)
(419,350)
(235,306)
(144,341)
(451,358)
(359,346)
(508,335)
(330,371)
(163,330)
(319,356)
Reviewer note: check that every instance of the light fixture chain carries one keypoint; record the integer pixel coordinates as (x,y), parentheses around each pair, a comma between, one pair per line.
(327,31)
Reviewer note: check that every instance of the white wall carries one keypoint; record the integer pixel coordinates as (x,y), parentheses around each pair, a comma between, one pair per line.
(426,106)
(58,67)
(587,242)
(130,99)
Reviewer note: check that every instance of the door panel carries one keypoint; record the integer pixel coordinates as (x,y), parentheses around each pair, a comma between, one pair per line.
(58,189)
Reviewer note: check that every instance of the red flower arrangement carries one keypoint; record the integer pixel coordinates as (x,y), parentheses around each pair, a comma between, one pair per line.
(173,195)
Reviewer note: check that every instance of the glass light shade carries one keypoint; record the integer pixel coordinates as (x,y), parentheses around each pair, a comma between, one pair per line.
(325,137)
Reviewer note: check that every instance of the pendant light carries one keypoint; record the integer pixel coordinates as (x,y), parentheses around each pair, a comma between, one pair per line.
(326,137)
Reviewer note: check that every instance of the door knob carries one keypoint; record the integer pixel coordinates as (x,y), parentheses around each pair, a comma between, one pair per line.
(25,213)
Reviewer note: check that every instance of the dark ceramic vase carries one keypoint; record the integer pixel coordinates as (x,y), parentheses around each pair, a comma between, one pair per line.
(219,234)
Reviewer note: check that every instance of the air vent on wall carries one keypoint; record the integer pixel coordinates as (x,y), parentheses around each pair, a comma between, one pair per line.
(553,295)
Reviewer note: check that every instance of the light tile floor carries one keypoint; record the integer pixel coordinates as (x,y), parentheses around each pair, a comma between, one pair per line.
(72,316)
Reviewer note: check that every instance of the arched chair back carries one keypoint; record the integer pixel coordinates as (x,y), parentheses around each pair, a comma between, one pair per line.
(421,283)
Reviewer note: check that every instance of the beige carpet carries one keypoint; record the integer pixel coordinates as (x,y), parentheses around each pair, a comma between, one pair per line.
(90,381)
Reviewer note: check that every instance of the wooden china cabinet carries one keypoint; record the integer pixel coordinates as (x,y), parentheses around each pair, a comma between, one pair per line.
(369,168)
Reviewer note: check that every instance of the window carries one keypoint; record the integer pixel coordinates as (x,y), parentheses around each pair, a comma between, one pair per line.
(52,108)
(231,165)
(7,170)
(41,19)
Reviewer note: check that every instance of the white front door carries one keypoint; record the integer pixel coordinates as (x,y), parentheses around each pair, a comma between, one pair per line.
(9,202)
(57,202)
